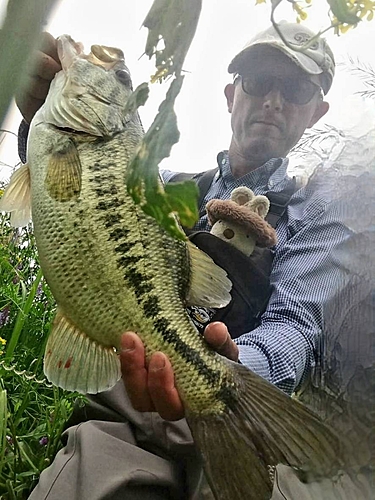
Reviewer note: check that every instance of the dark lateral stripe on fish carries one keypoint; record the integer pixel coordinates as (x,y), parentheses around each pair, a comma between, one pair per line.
(106,191)
(227,395)
(151,307)
(108,204)
(125,247)
(138,282)
(99,179)
(96,167)
(111,220)
(189,354)
(127,260)
(118,233)
(142,286)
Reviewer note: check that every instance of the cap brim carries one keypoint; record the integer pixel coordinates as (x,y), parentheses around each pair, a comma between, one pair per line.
(300,59)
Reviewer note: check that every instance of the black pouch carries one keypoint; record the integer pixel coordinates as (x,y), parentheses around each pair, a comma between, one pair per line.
(250,284)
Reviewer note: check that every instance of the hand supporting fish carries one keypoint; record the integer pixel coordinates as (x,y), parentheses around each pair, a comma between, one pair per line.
(112,269)
(40,73)
(151,386)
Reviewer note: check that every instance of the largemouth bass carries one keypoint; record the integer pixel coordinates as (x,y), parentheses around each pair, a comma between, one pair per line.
(111,268)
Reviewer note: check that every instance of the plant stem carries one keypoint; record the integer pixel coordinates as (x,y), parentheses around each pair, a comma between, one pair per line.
(3,426)
(21,317)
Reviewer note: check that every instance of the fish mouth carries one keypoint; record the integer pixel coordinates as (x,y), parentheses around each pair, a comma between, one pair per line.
(67,130)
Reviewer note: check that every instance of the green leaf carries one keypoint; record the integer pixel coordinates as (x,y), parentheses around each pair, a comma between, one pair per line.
(157,206)
(143,182)
(137,98)
(343,12)
(173,23)
(182,198)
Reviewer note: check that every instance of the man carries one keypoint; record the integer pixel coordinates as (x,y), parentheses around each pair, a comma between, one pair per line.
(127,450)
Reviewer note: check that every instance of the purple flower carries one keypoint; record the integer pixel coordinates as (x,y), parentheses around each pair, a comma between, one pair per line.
(43,441)
(4,316)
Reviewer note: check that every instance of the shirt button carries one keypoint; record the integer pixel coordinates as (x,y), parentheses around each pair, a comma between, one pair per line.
(270,184)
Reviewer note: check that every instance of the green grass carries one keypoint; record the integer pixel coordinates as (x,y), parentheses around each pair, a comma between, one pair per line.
(33,413)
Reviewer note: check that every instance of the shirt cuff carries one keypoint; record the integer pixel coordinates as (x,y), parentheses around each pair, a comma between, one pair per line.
(23,132)
(255,360)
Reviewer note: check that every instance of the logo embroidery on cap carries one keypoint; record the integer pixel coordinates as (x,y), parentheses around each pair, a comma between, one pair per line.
(301,38)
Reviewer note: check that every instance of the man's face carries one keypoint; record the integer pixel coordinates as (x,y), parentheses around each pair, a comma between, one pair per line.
(269,126)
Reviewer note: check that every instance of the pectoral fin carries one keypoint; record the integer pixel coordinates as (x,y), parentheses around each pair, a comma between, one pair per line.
(75,362)
(64,173)
(209,285)
(17,197)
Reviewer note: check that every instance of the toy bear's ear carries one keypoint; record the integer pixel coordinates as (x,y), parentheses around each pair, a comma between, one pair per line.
(242,195)
(260,205)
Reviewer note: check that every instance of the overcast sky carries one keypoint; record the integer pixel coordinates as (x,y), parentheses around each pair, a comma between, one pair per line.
(224,27)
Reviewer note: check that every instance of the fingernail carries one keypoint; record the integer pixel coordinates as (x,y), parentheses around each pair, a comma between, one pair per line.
(158,363)
(127,344)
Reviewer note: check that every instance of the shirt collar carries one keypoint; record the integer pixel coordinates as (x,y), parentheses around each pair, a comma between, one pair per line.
(272,175)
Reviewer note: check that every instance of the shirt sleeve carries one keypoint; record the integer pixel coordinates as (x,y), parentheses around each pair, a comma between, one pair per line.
(166,175)
(304,277)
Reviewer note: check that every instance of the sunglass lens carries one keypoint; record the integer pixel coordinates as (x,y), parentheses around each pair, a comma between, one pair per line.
(258,86)
(298,91)
(295,90)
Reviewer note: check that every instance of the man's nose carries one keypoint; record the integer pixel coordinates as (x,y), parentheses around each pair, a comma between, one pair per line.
(274,100)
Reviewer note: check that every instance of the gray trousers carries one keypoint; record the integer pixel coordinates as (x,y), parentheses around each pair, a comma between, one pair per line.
(127,455)
(124,454)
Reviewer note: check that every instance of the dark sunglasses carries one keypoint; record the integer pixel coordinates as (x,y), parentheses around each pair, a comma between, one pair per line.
(295,90)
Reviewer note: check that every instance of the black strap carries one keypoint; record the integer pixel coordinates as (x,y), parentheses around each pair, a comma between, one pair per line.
(278,201)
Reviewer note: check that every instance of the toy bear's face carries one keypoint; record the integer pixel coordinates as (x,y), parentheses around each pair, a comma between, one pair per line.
(235,235)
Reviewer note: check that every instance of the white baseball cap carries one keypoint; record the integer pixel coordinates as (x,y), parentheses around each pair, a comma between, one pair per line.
(317,59)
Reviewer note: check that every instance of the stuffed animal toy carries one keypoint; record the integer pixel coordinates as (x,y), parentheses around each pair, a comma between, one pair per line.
(241,220)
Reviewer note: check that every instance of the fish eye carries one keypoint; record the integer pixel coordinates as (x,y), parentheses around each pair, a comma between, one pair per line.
(124,77)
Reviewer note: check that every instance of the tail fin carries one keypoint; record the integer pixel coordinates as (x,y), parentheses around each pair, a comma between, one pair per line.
(264,427)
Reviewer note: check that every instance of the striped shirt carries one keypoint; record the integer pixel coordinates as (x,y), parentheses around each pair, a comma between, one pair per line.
(285,346)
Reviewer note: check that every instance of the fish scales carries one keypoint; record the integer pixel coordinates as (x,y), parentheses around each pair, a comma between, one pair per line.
(104,273)
(111,268)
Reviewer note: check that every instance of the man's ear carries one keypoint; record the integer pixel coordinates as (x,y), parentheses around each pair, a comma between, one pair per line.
(321,109)
(229,94)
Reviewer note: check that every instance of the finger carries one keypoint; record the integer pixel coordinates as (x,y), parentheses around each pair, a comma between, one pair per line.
(217,336)
(134,372)
(45,62)
(31,96)
(162,389)
(43,65)
(28,107)
(48,45)
(36,88)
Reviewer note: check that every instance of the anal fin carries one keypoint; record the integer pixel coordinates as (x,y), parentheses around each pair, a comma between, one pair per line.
(75,362)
